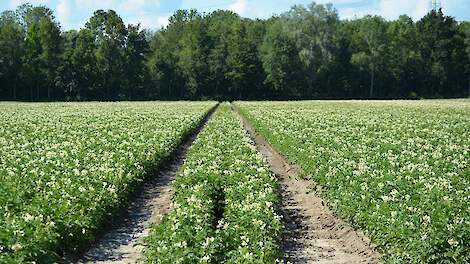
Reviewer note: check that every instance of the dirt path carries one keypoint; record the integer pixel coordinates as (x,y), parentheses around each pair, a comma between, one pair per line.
(121,243)
(313,234)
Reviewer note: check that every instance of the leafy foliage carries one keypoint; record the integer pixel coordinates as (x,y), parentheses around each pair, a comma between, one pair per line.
(66,168)
(398,170)
(224,203)
(306,52)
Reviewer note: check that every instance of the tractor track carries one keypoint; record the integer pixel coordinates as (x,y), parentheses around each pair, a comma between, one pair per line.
(313,233)
(122,242)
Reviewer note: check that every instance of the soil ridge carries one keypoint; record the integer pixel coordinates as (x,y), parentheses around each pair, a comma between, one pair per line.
(313,233)
(123,241)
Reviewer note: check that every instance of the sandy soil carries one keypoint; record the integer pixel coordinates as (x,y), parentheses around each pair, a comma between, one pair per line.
(122,242)
(313,234)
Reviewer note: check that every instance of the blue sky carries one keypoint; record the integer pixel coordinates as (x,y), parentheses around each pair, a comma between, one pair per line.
(154,13)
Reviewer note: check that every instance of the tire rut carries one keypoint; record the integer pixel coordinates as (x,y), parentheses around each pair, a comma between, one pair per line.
(312,234)
(122,243)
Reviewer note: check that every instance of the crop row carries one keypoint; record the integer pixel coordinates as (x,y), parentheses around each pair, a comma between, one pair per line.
(65,169)
(398,170)
(224,204)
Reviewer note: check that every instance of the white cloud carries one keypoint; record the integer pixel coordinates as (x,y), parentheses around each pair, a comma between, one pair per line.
(154,13)
(150,21)
(239,7)
(15,3)
(95,4)
(132,11)
(351,13)
(339,2)
(421,9)
(132,5)
(63,11)
(163,21)
(389,9)
(393,9)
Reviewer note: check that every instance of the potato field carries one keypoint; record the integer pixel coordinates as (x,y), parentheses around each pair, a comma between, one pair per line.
(65,168)
(397,172)
(225,175)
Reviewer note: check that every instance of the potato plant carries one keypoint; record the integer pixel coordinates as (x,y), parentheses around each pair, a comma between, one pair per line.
(66,168)
(224,205)
(398,170)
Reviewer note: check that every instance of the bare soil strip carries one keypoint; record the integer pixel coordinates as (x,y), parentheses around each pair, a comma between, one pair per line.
(313,234)
(122,243)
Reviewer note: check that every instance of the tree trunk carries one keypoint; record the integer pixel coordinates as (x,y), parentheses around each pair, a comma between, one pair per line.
(106,89)
(181,92)
(169,89)
(14,91)
(103,93)
(468,87)
(372,79)
(311,83)
(131,92)
(310,89)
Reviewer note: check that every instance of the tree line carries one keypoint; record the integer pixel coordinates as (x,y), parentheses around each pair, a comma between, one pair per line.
(304,53)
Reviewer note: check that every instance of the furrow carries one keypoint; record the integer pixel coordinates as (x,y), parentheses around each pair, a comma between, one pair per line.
(123,242)
(313,234)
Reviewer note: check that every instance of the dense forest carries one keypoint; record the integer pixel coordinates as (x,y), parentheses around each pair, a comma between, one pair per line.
(306,53)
